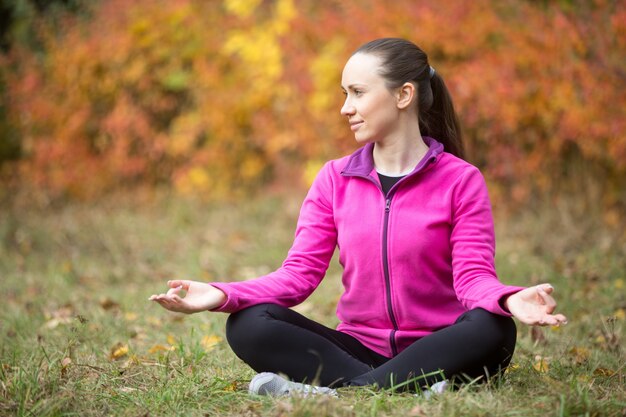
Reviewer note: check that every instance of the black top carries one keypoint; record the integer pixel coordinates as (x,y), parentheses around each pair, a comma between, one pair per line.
(388,182)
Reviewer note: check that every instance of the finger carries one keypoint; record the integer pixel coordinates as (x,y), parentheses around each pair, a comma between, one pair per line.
(174,290)
(178,283)
(547,288)
(547,299)
(561,319)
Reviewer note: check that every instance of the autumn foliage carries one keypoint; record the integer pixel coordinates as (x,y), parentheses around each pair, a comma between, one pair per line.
(220,97)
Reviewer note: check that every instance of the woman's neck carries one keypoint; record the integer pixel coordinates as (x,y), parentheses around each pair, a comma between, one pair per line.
(400,156)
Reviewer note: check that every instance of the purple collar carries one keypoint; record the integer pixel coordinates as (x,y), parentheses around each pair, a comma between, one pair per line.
(361,162)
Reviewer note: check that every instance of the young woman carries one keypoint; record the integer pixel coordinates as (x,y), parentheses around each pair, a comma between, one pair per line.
(412,220)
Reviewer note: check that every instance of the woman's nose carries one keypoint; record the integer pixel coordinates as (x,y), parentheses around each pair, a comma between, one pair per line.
(347,109)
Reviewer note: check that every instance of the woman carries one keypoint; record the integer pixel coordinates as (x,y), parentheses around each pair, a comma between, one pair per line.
(412,221)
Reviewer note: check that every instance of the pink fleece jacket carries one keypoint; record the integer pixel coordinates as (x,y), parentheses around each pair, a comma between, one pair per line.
(413,261)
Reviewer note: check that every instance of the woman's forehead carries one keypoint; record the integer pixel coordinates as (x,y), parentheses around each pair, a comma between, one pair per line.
(361,68)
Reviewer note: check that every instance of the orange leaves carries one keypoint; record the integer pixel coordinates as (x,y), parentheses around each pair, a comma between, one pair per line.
(214,97)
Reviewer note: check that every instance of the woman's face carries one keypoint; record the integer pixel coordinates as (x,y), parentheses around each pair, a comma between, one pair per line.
(370,107)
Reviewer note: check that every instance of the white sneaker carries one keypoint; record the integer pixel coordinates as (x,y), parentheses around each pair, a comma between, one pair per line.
(268,383)
(436,389)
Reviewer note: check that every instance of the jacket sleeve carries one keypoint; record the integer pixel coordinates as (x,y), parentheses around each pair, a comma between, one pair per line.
(473,247)
(307,260)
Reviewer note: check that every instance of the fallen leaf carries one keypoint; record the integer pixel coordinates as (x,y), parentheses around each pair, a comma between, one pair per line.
(130,316)
(108,304)
(620,314)
(541,364)
(160,348)
(580,354)
(603,372)
(511,368)
(231,387)
(118,351)
(65,363)
(209,342)
(171,340)
(154,321)
(55,322)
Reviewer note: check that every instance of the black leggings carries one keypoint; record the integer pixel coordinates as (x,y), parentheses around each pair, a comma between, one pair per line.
(271,338)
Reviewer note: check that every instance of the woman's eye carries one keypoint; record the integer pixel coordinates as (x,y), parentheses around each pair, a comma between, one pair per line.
(358,92)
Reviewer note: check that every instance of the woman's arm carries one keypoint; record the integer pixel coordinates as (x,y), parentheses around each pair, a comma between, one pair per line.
(303,269)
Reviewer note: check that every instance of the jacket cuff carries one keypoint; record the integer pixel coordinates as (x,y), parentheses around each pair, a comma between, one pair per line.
(230,305)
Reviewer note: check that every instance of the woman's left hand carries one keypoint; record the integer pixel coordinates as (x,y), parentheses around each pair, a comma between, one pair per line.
(534,306)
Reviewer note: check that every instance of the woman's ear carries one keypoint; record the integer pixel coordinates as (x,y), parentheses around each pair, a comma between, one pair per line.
(406,95)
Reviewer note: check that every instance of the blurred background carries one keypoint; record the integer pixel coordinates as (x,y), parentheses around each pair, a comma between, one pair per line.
(223,99)
(147,140)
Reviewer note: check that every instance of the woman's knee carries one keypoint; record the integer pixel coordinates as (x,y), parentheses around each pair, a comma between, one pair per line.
(501,330)
(244,328)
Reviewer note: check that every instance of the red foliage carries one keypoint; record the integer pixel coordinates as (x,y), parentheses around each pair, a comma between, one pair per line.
(214,96)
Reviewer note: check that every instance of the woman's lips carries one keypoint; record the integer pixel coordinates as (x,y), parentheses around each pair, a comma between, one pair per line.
(355,126)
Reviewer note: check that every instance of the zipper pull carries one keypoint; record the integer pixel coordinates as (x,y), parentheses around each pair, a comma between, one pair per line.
(387,205)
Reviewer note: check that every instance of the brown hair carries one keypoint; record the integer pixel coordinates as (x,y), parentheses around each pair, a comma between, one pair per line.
(403,61)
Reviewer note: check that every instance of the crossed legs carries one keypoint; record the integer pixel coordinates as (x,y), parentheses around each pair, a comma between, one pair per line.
(271,338)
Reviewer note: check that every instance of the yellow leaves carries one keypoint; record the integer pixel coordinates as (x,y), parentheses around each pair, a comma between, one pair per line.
(579,354)
(118,351)
(195,180)
(241,8)
(159,348)
(603,372)
(541,364)
(311,170)
(171,340)
(326,73)
(209,342)
(130,316)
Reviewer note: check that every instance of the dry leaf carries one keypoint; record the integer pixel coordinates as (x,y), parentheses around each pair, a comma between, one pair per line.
(580,354)
(541,364)
(65,363)
(108,304)
(511,368)
(130,316)
(154,321)
(209,342)
(171,340)
(62,315)
(118,351)
(603,372)
(160,348)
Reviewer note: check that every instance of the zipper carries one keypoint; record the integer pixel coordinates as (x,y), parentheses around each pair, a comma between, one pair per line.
(392,317)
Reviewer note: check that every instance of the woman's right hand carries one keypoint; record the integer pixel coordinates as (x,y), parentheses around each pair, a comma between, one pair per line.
(200,296)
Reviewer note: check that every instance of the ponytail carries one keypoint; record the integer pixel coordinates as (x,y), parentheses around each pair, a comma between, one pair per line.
(437,117)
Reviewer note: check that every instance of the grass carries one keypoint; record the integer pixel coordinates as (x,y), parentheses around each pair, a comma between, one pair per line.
(78,336)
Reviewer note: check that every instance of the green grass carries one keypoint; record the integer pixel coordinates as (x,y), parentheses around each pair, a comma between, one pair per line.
(75,281)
